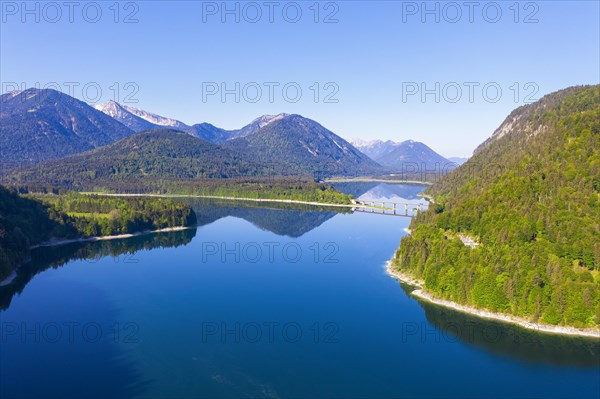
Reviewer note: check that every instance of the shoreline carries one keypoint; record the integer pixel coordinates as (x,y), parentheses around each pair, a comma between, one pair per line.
(10,278)
(485,314)
(376,180)
(285,201)
(54,243)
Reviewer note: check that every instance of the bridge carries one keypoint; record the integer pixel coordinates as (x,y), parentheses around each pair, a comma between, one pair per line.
(389,208)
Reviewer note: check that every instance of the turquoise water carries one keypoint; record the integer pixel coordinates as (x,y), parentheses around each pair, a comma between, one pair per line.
(262,303)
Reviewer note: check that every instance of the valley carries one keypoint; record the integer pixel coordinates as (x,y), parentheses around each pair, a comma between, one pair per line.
(378,200)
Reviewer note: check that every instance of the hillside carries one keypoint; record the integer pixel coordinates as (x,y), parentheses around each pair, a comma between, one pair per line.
(209,132)
(25,221)
(530,196)
(145,157)
(255,125)
(304,147)
(37,125)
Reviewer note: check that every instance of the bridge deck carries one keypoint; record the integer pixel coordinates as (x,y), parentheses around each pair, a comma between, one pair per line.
(389,208)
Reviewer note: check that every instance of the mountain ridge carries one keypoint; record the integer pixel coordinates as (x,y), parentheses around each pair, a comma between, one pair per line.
(515,229)
(408,155)
(305,145)
(164,154)
(37,125)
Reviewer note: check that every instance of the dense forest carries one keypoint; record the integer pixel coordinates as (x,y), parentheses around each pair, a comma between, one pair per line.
(30,220)
(286,188)
(170,162)
(94,215)
(149,156)
(529,200)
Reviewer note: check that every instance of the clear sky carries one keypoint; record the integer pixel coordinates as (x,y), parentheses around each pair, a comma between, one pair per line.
(361,67)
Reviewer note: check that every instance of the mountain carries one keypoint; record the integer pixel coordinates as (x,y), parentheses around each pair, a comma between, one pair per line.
(374,148)
(407,155)
(519,119)
(414,153)
(458,160)
(155,119)
(37,125)
(303,146)
(139,120)
(126,117)
(211,133)
(144,157)
(516,229)
(256,124)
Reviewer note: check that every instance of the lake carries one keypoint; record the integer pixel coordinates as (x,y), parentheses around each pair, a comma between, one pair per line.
(263,302)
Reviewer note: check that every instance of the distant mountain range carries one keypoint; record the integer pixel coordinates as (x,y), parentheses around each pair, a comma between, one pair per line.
(404,156)
(37,125)
(79,142)
(458,160)
(139,120)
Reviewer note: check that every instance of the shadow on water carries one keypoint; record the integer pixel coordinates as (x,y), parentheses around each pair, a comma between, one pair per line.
(78,343)
(44,258)
(292,220)
(509,340)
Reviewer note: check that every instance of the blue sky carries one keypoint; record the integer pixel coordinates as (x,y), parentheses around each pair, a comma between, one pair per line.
(361,74)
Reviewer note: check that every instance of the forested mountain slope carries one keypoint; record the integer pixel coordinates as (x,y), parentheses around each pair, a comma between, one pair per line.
(37,125)
(304,147)
(25,221)
(530,197)
(148,156)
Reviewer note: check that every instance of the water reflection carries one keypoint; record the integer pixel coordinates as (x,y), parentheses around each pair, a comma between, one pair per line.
(505,339)
(381,191)
(44,258)
(292,220)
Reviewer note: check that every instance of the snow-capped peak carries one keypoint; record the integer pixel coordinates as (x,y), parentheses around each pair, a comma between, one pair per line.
(360,143)
(264,120)
(110,108)
(153,118)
